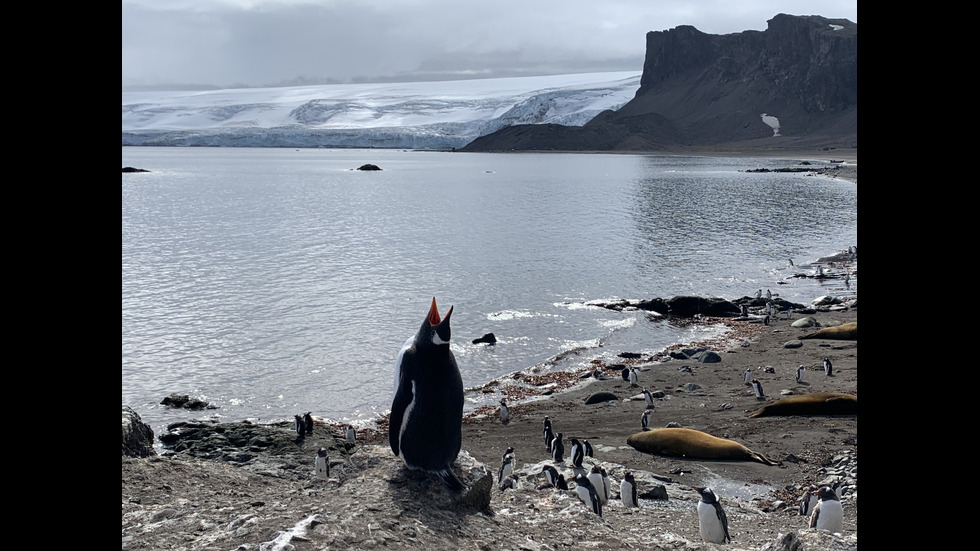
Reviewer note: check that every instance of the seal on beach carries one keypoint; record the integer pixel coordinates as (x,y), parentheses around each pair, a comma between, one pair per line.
(828,514)
(322,464)
(845,332)
(815,403)
(426,422)
(504,413)
(712,520)
(587,493)
(693,444)
(627,490)
(598,483)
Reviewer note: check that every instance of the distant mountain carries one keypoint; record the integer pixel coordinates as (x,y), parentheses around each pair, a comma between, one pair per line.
(418,115)
(791,86)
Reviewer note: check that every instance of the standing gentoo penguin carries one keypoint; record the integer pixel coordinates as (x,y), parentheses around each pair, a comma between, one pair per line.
(649,398)
(506,469)
(757,387)
(308,423)
(606,485)
(549,435)
(633,377)
(351,436)
(322,463)
(588,448)
(747,378)
(828,367)
(426,422)
(300,426)
(588,494)
(595,477)
(627,491)
(800,372)
(712,521)
(577,453)
(509,453)
(558,449)
(550,474)
(809,501)
(645,420)
(504,413)
(828,514)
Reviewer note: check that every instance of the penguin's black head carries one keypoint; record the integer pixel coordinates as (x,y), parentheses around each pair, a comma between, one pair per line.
(434,329)
(826,493)
(707,495)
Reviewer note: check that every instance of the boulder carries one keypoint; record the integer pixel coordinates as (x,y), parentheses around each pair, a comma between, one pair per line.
(368,166)
(137,436)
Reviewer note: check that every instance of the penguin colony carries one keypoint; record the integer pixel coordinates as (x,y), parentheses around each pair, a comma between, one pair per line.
(426,422)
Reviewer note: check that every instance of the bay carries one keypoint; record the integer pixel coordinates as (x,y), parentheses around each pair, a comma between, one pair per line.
(271,282)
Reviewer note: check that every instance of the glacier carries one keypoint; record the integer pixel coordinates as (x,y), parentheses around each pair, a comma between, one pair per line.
(411,115)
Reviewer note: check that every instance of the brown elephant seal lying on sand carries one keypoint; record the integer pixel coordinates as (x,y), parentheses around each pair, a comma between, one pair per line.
(845,332)
(693,444)
(816,403)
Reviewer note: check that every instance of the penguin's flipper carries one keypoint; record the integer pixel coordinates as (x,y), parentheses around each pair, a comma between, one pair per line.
(452,481)
(399,406)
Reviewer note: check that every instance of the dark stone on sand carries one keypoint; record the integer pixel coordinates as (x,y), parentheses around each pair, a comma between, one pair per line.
(600,397)
(137,436)
(488,338)
(368,166)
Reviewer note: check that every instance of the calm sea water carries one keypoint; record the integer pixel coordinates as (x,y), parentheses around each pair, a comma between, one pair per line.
(272,282)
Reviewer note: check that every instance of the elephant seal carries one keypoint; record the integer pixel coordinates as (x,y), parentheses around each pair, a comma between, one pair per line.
(816,403)
(693,444)
(844,332)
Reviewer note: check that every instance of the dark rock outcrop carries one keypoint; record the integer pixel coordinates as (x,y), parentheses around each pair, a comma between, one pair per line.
(133,169)
(368,166)
(712,91)
(137,436)
(185,402)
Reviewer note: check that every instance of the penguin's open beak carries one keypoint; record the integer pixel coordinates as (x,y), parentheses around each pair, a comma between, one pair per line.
(434,318)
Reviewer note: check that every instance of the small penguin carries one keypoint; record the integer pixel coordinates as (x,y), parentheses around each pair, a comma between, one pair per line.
(645,420)
(308,423)
(747,378)
(322,463)
(577,453)
(504,413)
(757,387)
(551,475)
(808,501)
(549,435)
(595,477)
(627,491)
(606,485)
(588,494)
(828,368)
(425,427)
(649,398)
(633,378)
(828,514)
(506,469)
(511,482)
(558,449)
(758,294)
(800,372)
(712,521)
(351,436)
(588,448)
(768,294)
(300,426)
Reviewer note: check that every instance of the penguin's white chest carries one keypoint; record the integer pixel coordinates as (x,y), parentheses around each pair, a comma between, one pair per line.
(710,525)
(830,516)
(626,491)
(597,483)
(322,469)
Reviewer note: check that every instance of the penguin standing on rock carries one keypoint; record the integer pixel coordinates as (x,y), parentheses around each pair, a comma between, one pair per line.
(712,520)
(555,478)
(649,398)
(426,422)
(577,453)
(506,469)
(549,435)
(300,426)
(588,494)
(598,483)
(633,377)
(322,463)
(627,491)
(828,514)
(351,436)
(308,423)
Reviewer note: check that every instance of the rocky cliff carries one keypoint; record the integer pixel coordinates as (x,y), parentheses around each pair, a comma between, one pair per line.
(791,86)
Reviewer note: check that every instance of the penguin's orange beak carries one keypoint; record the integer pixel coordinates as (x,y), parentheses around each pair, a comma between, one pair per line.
(434,313)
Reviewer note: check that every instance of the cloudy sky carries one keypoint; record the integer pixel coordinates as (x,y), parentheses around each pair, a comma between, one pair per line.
(230,43)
